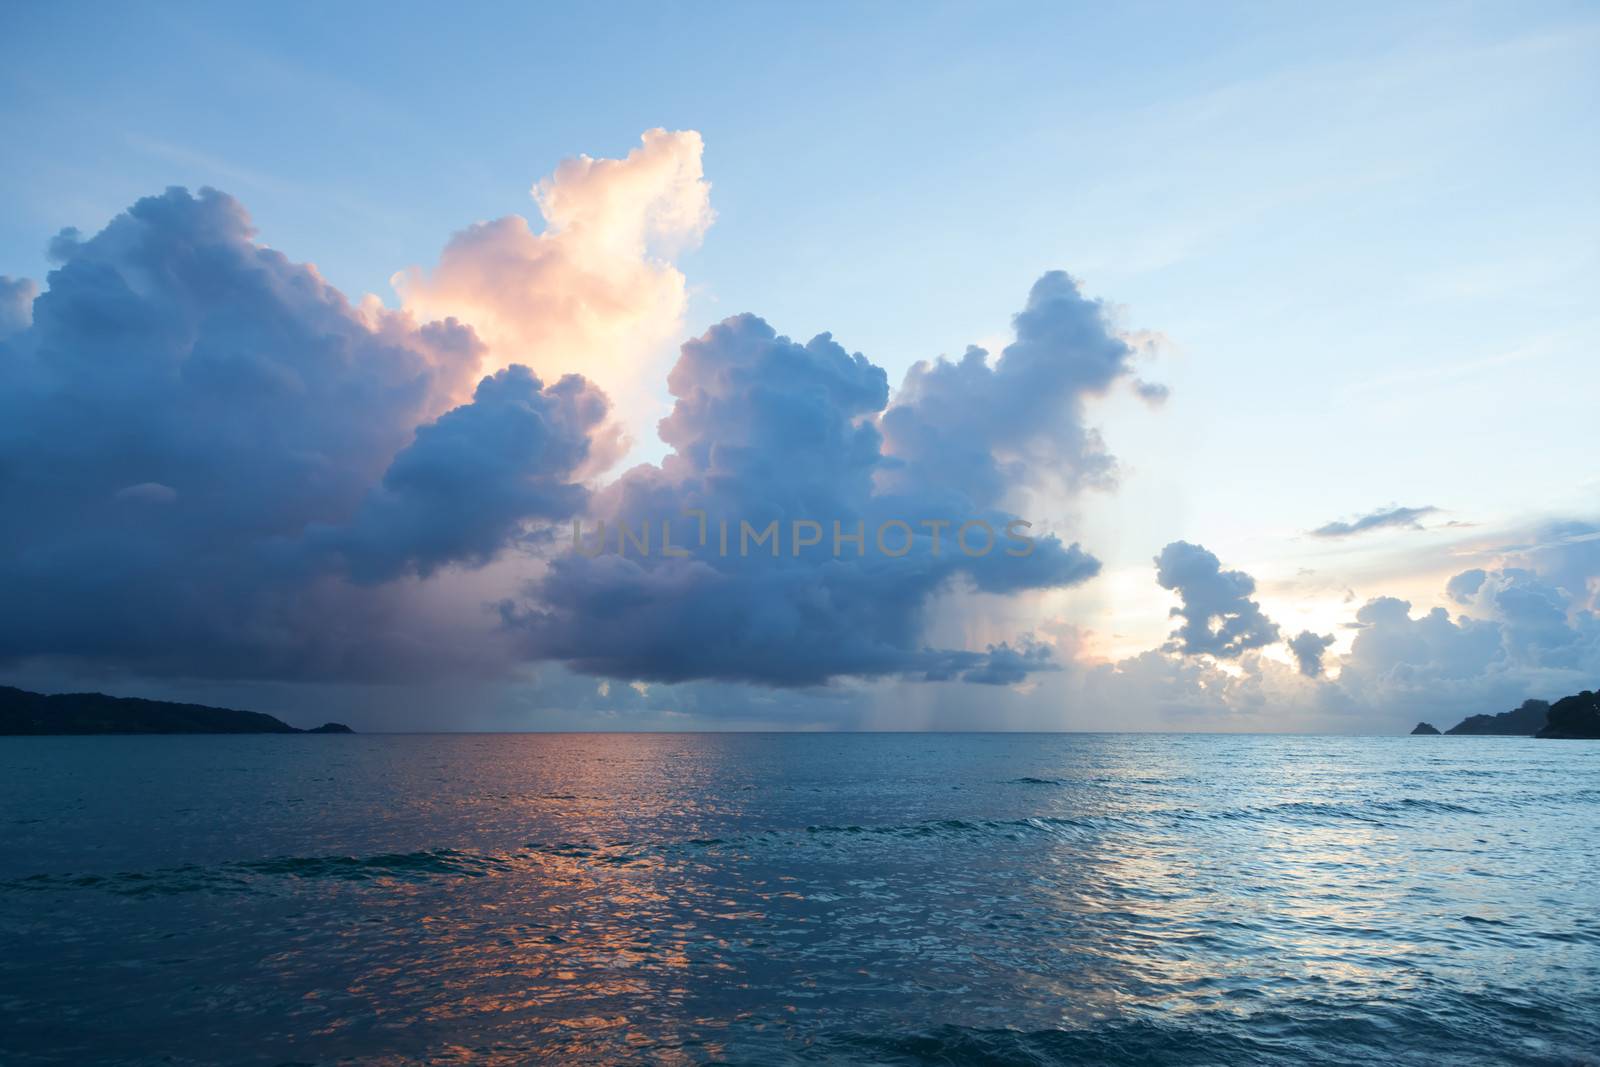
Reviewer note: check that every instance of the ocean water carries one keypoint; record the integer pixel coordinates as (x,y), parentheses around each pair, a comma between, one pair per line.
(767,899)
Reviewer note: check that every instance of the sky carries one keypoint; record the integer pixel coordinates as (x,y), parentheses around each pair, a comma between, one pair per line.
(1290,318)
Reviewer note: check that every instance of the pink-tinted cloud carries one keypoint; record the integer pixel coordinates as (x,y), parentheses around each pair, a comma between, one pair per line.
(595,291)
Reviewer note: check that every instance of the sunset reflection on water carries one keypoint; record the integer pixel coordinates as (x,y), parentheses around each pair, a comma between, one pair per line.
(760,898)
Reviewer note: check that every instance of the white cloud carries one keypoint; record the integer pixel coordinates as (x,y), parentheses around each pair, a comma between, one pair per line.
(595,292)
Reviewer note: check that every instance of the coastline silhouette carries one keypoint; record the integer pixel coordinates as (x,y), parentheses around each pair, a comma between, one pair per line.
(22,712)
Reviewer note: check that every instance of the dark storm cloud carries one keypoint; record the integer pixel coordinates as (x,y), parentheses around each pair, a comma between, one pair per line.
(766,429)
(1219,618)
(1376,520)
(1008,666)
(212,465)
(184,406)
(1308,649)
(461,491)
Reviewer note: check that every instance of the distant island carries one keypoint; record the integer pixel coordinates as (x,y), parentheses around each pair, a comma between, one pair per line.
(1574,717)
(1571,717)
(22,712)
(1518,722)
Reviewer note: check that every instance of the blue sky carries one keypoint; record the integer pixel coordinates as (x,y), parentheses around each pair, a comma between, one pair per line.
(1367,237)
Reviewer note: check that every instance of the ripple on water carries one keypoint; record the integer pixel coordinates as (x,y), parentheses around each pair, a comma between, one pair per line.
(766,899)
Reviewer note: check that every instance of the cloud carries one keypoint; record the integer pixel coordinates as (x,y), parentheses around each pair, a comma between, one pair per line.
(1155,690)
(766,430)
(1527,629)
(1153,393)
(1428,662)
(184,404)
(1524,633)
(461,492)
(1522,636)
(212,465)
(1005,665)
(16,303)
(1523,639)
(980,430)
(1308,648)
(1567,554)
(1541,624)
(1376,520)
(1405,664)
(593,293)
(211,441)
(1219,618)
(1464,586)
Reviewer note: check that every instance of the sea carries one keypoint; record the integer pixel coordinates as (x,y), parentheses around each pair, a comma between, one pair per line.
(799,898)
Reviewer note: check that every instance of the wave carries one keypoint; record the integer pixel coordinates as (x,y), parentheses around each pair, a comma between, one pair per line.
(1464,1030)
(1113,1044)
(241,876)
(1370,811)
(246,876)
(431,863)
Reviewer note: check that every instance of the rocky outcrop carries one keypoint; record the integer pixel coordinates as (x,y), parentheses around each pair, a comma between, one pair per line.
(1574,717)
(1520,722)
(1425,728)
